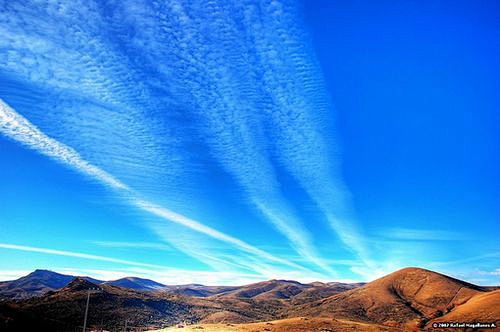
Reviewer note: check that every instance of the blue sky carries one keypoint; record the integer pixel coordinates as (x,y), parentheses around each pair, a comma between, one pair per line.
(236,141)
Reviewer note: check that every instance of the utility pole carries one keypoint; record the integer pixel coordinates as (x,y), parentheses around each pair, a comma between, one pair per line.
(87,306)
(86,311)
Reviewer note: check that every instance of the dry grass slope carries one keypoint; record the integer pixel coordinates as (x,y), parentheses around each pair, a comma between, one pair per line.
(407,298)
(481,308)
(410,299)
(298,324)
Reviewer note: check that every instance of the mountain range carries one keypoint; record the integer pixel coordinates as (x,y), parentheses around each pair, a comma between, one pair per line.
(36,283)
(40,282)
(406,300)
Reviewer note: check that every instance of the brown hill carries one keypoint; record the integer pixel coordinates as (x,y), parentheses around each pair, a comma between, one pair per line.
(79,284)
(139,284)
(407,298)
(268,300)
(198,290)
(271,289)
(287,290)
(110,306)
(483,307)
(322,290)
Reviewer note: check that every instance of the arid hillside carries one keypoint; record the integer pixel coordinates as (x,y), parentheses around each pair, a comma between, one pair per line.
(298,324)
(410,299)
(110,306)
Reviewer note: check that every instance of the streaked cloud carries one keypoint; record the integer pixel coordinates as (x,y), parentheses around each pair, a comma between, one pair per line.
(18,128)
(74,254)
(170,215)
(13,274)
(196,88)
(225,107)
(132,245)
(165,274)
(413,234)
(300,113)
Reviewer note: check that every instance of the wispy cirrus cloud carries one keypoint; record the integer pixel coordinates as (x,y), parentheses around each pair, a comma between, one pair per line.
(20,129)
(495,272)
(247,87)
(162,273)
(73,73)
(300,112)
(225,105)
(414,234)
(213,233)
(13,274)
(493,256)
(74,254)
(110,82)
(132,245)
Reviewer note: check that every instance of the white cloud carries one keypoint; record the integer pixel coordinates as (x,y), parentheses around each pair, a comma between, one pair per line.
(13,274)
(495,272)
(73,254)
(421,234)
(20,129)
(299,111)
(222,103)
(190,223)
(254,89)
(132,245)
(491,256)
(162,273)
(370,273)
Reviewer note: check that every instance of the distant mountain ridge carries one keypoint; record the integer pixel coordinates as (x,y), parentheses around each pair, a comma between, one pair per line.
(62,309)
(138,284)
(36,283)
(410,299)
(286,289)
(40,282)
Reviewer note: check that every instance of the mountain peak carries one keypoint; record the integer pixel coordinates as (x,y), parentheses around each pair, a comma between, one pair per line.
(408,296)
(408,299)
(42,272)
(137,284)
(79,284)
